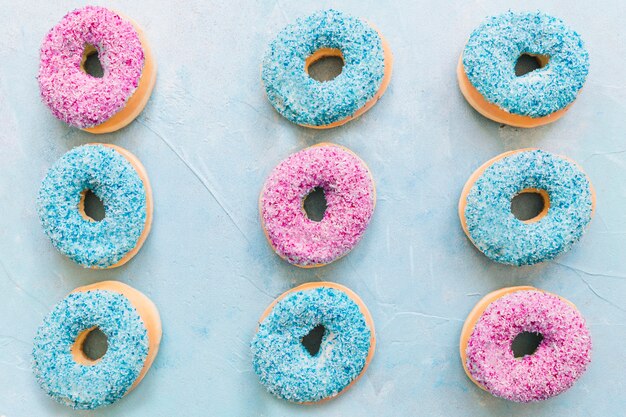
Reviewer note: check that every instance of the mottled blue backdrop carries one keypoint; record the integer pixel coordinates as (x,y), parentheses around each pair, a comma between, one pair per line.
(208,138)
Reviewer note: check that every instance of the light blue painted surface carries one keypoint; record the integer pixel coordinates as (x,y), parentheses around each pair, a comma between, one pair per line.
(209,138)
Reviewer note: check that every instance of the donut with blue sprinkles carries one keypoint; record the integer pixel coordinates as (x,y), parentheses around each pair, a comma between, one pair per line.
(303,100)
(120,181)
(128,319)
(303,374)
(487,68)
(485,206)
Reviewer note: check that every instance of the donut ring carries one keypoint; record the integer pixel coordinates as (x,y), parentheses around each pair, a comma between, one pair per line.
(321,105)
(350,200)
(485,206)
(117,178)
(287,369)
(132,325)
(486,69)
(96,105)
(488,333)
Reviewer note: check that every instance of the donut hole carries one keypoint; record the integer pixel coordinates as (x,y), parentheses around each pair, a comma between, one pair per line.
(526,343)
(90,63)
(90,346)
(530,205)
(527,63)
(324,64)
(313,340)
(314,204)
(91,207)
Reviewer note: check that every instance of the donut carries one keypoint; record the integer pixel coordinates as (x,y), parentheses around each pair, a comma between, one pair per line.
(486,69)
(287,368)
(560,359)
(96,105)
(117,178)
(350,199)
(485,206)
(364,78)
(133,328)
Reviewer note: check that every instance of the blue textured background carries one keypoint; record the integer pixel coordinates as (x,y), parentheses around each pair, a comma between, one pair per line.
(208,139)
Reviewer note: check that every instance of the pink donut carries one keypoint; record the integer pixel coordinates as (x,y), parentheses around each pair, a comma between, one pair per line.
(85,101)
(350,199)
(560,359)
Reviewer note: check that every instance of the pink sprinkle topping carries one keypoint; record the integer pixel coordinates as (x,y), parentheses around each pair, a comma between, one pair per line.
(74,96)
(558,362)
(350,198)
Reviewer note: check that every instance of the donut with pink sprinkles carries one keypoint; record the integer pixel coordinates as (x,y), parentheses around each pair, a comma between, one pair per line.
(350,199)
(97,103)
(558,355)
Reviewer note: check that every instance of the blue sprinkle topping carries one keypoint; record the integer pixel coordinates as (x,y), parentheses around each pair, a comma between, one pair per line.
(88,387)
(505,239)
(492,51)
(305,101)
(284,365)
(113,179)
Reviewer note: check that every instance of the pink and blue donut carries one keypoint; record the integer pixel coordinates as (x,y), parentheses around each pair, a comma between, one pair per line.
(561,356)
(97,105)
(363,80)
(350,199)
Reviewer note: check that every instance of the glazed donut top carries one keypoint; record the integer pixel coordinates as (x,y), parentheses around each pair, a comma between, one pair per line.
(113,179)
(492,51)
(557,363)
(305,101)
(82,386)
(74,96)
(500,235)
(284,365)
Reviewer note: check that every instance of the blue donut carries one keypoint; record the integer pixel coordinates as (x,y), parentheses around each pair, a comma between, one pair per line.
(485,206)
(494,47)
(305,101)
(117,178)
(61,367)
(286,367)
